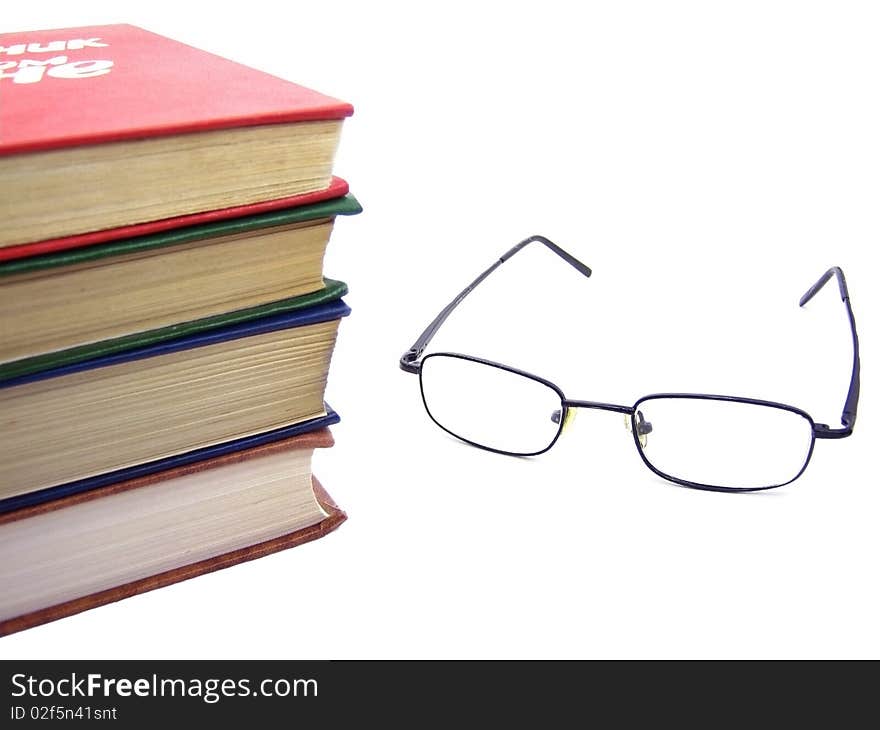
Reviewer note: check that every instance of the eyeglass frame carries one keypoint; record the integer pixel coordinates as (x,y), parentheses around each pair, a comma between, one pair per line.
(411,361)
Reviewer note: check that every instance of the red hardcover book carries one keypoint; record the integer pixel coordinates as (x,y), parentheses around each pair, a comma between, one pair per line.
(113,82)
(110,126)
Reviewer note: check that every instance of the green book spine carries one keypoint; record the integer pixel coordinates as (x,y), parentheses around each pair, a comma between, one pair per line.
(332,290)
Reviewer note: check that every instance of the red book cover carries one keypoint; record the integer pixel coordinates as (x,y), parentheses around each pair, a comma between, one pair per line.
(83,86)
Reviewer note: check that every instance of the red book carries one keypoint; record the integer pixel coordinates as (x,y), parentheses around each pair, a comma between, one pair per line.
(115,82)
(143,128)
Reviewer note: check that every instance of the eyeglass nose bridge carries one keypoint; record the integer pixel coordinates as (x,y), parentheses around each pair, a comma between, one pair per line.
(596,405)
(643,427)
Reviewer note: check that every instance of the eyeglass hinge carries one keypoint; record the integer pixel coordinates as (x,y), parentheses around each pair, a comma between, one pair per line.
(824,431)
(408,361)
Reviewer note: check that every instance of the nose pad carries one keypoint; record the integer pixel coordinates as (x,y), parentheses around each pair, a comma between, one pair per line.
(643,428)
(570,414)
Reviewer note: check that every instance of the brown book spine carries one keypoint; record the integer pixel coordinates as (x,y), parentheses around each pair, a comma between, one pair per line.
(335,517)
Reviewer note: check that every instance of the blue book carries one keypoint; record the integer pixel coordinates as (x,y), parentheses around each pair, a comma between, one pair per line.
(87,424)
(152,467)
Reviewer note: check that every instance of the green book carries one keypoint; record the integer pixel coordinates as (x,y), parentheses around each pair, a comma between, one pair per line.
(67,307)
(332,291)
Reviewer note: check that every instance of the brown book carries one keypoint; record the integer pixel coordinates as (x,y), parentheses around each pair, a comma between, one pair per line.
(97,547)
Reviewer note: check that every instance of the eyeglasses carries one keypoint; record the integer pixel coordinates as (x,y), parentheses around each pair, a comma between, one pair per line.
(715,442)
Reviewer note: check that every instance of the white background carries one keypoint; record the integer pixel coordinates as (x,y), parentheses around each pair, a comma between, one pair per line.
(709,161)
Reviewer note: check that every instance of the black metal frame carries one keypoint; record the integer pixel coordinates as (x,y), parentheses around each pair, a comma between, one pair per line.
(409,359)
(516,371)
(733,399)
(411,362)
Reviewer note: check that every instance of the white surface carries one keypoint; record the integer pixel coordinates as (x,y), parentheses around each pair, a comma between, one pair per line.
(709,163)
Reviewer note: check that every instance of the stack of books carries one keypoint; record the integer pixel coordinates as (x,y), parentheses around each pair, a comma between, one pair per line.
(165,326)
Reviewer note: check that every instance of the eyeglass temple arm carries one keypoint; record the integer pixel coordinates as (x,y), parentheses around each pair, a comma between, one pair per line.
(850,407)
(408,360)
